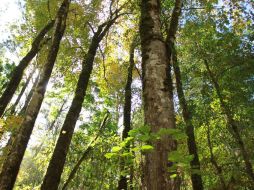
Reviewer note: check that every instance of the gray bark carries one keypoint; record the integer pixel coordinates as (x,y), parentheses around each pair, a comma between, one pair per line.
(158,97)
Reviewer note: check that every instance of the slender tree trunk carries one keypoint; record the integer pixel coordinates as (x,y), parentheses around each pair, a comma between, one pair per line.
(56,164)
(12,163)
(157,93)
(122,183)
(15,132)
(213,160)
(231,122)
(13,108)
(196,179)
(85,154)
(18,71)
(58,115)
(29,96)
(192,147)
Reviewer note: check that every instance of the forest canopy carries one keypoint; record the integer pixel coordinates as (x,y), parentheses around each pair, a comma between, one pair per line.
(127,95)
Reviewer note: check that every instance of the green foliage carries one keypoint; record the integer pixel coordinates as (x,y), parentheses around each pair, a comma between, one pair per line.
(220,33)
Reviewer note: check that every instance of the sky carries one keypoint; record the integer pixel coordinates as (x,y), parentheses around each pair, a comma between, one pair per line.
(9,13)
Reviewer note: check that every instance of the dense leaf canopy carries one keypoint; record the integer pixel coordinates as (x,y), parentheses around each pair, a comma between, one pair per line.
(214,52)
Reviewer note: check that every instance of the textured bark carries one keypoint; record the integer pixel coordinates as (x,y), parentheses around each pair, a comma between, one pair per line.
(13,108)
(12,163)
(85,154)
(196,179)
(18,71)
(122,183)
(157,93)
(232,123)
(56,164)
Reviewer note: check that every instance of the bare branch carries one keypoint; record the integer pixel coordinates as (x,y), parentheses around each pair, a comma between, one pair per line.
(50,17)
(91,27)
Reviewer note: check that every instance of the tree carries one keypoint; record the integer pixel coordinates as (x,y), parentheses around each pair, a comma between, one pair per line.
(122,184)
(85,153)
(171,35)
(192,128)
(18,71)
(56,165)
(158,102)
(13,107)
(12,163)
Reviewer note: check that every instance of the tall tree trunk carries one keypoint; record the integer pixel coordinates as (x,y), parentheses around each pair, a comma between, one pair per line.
(56,164)
(58,115)
(13,108)
(196,179)
(85,153)
(157,93)
(213,160)
(18,71)
(29,96)
(12,163)
(16,130)
(231,122)
(122,183)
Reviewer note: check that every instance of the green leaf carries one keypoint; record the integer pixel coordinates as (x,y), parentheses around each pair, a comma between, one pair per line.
(116,149)
(147,147)
(126,154)
(173,176)
(110,155)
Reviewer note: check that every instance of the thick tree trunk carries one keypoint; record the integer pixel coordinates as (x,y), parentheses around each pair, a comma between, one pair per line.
(56,164)
(18,71)
(85,154)
(12,163)
(157,93)
(231,122)
(13,108)
(122,183)
(196,179)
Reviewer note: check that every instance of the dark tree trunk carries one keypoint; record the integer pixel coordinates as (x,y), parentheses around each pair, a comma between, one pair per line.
(15,132)
(85,154)
(58,115)
(196,179)
(12,163)
(12,112)
(13,108)
(56,164)
(29,96)
(158,101)
(213,160)
(122,183)
(231,122)
(18,71)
